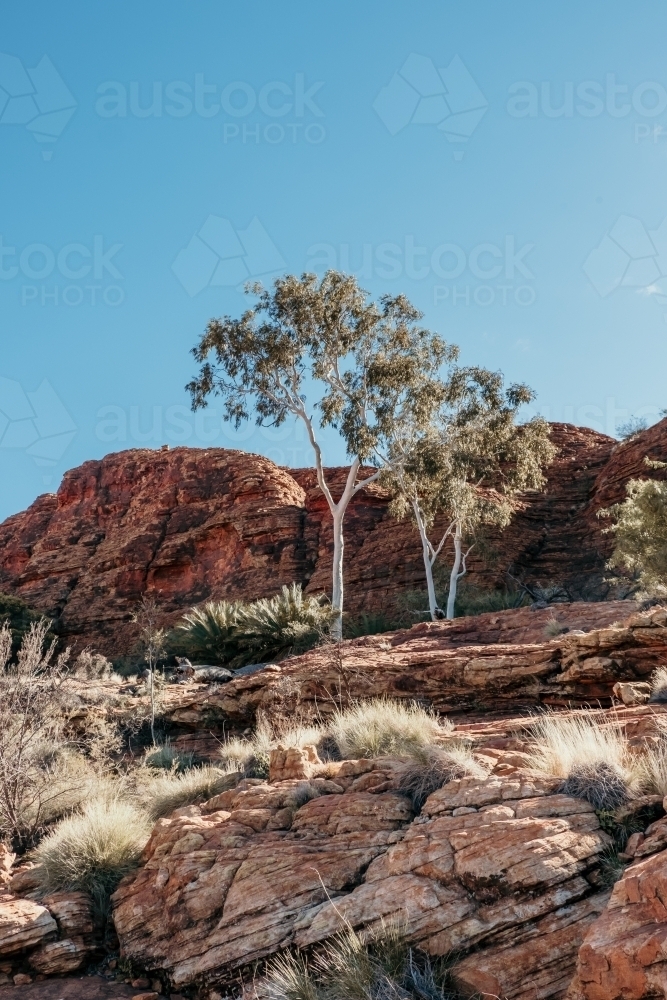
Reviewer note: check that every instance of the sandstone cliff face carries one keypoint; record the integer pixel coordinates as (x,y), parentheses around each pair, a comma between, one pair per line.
(187,525)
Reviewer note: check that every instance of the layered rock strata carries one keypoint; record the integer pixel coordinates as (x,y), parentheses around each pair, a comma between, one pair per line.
(192,524)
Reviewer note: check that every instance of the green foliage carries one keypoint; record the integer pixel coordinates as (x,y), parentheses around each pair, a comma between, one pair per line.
(268,629)
(368,623)
(20,617)
(611,868)
(208,634)
(471,600)
(287,624)
(640,533)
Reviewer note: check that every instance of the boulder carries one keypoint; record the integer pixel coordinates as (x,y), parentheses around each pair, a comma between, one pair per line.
(24,924)
(624,954)
(487,869)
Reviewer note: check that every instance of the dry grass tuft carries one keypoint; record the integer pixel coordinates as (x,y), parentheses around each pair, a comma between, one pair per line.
(423,777)
(252,755)
(593,760)
(659,685)
(92,850)
(165,792)
(380,728)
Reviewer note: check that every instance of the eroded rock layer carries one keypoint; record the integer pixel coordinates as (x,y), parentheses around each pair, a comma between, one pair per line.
(191,524)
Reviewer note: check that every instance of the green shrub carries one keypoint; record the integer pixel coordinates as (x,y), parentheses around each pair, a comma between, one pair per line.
(471,600)
(208,633)
(380,727)
(235,634)
(368,623)
(20,617)
(275,627)
(167,758)
(92,850)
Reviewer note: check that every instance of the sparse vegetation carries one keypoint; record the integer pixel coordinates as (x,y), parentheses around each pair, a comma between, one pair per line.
(611,868)
(380,727)
(270,628)
(554,628)
(659,685)
(640,533)
(20,617)
(592,759)
(433,767)
(349,967)
(161,794)
(93,849)
(167,758)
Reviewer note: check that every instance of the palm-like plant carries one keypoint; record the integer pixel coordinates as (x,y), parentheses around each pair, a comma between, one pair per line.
(274,627)
(209,632)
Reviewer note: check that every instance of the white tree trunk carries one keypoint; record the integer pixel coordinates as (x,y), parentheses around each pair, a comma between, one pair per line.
(337,583)
(428,563)
(454,575)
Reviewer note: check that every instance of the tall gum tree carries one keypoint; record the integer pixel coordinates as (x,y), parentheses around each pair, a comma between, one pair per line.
(325,332)
(464,457)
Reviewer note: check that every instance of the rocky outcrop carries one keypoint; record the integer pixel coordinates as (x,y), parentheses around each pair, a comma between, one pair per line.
(422,663)
(191,524)
(623,955)
(501,870)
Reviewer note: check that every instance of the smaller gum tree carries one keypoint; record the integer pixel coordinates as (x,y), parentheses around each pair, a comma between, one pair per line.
(640,532)
(323,337)
(461,458)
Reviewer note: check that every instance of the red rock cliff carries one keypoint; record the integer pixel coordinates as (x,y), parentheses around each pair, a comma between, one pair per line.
(192,524)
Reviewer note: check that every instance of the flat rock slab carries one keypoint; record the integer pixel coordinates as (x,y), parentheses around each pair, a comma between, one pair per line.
(70,988)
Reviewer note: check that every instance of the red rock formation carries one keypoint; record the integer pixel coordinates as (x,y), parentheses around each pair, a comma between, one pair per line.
(189,524)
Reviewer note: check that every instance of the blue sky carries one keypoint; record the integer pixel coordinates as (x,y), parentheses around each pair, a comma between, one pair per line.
(501,163)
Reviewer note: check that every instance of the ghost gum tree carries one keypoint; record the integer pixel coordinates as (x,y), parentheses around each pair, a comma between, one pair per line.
(322,335)
(462,457)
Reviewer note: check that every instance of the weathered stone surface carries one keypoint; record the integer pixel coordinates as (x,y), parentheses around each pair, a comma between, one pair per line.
(254,870)
(191,524)
(59,957)
(421,662)
(23,924)
(624,953)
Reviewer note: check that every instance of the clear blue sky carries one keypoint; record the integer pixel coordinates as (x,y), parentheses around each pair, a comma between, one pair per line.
(502,163)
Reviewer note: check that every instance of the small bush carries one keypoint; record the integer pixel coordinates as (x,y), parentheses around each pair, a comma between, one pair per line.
(611,868)
(652,768)
(167,758)
(275,627)
(553,628)
(437,767)
(208,633)
(91,666)
(384,967)
(381,727)
(592,759)
(600,783)
(471,600)
(164,793)
(19,617)
(373,623)
(659,685)
(92,850)
(252,756)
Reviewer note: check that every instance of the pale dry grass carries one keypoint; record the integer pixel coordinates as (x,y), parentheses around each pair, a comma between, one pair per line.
(252,755)
(659,685)
(593,759)
(379,728)
(435,767)
(93,849)
(161,794)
